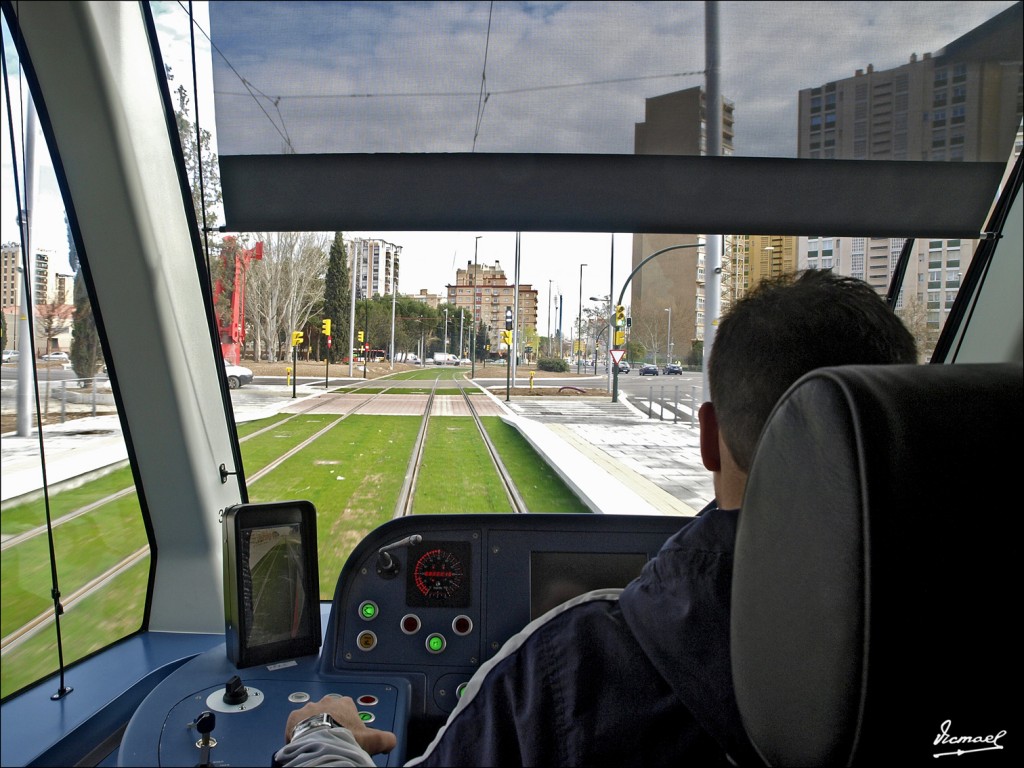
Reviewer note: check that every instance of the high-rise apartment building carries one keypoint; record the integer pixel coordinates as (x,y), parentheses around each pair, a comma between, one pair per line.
(484,290)
(376,266)
(676,124)
(962,103)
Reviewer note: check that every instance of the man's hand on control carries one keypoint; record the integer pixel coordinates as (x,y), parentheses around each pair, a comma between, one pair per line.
(343,710)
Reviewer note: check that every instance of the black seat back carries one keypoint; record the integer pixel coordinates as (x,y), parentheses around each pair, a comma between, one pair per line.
(876,585)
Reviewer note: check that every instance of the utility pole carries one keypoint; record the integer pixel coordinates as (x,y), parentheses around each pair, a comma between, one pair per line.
(549,318)
(579,322)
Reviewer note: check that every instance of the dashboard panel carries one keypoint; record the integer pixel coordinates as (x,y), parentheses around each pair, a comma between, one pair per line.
(420,604)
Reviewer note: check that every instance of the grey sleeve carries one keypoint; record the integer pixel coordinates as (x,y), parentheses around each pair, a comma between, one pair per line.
(324,747)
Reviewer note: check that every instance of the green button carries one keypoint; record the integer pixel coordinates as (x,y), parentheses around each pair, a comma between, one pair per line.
(435,643)
(461,690)
(365,717)
(368,610)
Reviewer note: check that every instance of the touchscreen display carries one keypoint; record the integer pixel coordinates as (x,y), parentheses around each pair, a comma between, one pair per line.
(273,582)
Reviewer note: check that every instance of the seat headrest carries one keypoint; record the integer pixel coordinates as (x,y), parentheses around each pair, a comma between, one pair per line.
(872,603)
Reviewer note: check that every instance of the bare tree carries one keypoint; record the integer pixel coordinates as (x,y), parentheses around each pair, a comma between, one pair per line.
(914,315)
(285,287)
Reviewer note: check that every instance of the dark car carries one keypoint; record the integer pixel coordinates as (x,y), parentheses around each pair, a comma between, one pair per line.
(648,369)
(673,369)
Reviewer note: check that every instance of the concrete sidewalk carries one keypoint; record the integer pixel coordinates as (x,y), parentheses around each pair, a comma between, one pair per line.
(613,456)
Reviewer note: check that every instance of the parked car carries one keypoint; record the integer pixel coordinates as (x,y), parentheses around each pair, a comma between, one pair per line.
(648,369)
(673,369)
(11,355)
(465,361)
(56,357)
(237,375)
(623,366)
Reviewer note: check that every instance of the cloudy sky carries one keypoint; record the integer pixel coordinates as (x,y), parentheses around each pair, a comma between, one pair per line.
(507,77)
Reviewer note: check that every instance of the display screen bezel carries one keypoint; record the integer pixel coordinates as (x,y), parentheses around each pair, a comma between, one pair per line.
(240,523)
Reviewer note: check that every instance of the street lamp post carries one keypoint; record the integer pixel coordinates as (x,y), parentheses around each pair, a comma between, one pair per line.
(472,330)
(668,338)
(622,293)
(446,335)
(579,321)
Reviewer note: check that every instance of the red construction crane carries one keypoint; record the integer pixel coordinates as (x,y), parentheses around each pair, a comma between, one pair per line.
(231,325)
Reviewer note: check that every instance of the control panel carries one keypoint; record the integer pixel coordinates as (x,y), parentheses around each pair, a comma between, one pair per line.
(431,598)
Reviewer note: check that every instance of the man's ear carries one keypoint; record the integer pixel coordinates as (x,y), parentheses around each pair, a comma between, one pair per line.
(709,447)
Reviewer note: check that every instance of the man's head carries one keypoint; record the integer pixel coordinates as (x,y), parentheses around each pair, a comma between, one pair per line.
(784,328)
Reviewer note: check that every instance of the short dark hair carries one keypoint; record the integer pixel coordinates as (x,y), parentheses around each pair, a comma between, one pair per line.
(785,327)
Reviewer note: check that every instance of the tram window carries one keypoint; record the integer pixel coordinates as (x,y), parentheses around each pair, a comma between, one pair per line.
(100,545)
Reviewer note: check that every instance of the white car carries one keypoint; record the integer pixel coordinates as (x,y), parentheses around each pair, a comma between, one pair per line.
(237,375)
(10,355)
(56,357)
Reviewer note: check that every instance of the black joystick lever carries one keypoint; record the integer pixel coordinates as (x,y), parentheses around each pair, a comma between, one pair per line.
(204,724)
(235,691)
(387,566)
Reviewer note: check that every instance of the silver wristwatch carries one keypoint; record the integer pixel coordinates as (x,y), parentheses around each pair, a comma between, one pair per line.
(314,723)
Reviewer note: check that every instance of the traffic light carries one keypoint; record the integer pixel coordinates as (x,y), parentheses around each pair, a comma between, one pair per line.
(325,326)
(366,347)
(506,337)
(620,316)
(297,338)
(361,336)
(508,318)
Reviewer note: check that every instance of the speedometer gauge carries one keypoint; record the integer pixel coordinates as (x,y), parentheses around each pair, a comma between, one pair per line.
(439,575)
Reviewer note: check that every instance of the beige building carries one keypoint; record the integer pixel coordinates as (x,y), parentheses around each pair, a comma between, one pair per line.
(672,284)
(485,291)
(432,300)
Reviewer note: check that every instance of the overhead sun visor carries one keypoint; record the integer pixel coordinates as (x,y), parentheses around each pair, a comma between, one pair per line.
(606,193)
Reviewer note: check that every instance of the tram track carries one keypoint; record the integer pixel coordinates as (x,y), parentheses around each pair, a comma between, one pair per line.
(404,505)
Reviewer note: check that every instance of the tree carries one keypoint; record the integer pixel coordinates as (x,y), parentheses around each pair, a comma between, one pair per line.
(914,315)
(337,297)
(53,320)
(285,287)
(86,352)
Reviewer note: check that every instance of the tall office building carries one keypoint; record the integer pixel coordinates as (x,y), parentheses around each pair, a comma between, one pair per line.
(962,103)
(676,124)
(485,291)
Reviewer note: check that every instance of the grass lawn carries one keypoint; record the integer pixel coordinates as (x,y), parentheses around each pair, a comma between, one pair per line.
(246,429)
(457,474)
(352,475)
(85,547)
(26,516)
(259,451)
(88,625)
(541,488)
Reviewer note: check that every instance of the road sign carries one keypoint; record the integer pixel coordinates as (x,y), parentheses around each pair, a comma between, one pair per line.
(616,355)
